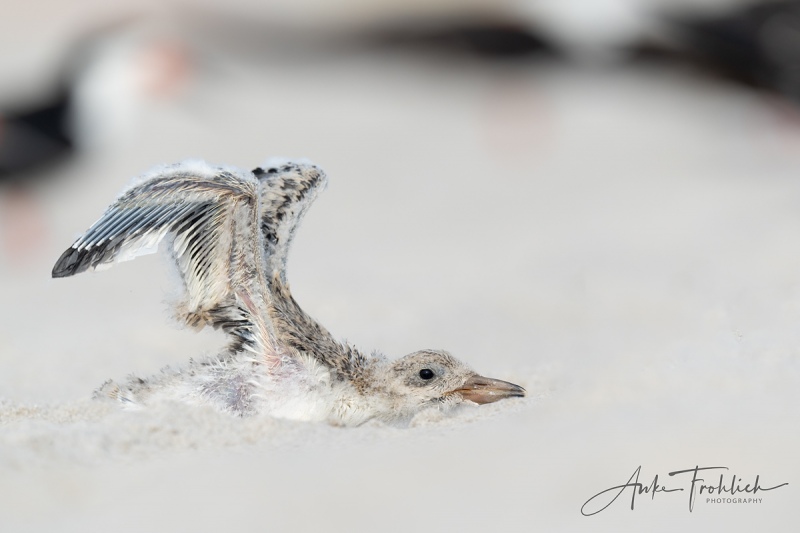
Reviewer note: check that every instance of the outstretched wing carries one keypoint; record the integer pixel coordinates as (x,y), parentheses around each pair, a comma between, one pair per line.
(229,234)
(209,215)
(285,193)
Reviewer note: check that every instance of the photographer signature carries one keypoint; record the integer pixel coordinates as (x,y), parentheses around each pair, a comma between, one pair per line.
(697,487)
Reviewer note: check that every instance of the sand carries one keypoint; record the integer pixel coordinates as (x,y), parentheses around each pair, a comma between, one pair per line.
(624,244)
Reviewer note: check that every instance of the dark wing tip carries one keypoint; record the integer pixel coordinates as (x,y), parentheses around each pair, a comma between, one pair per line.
(70,263)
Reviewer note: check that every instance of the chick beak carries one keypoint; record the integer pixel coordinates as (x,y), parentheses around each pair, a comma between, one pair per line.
(481,390)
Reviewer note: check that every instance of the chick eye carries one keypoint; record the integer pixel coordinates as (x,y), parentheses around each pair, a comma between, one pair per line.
(426,374)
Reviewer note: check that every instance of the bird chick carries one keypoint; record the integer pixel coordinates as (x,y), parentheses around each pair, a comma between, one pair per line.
(228,232)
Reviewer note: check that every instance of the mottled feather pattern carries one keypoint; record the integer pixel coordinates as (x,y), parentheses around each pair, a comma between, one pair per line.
(225,227)
(304,334)
(212,217)
(228,232)
(285,195)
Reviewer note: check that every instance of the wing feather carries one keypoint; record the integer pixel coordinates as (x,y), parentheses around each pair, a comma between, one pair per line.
(205,209)
(285,193)
(229,233)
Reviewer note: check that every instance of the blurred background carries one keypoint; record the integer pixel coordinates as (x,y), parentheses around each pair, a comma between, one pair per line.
(94,89)
(595,199)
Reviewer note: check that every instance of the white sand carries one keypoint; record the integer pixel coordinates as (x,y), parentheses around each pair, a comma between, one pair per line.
(626,246)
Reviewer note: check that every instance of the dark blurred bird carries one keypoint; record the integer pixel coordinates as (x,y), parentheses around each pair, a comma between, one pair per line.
(101,84)
(33,138)
(757,45)
(490,39)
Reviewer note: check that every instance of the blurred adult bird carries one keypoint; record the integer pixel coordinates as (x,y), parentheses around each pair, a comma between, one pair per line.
(228,232)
